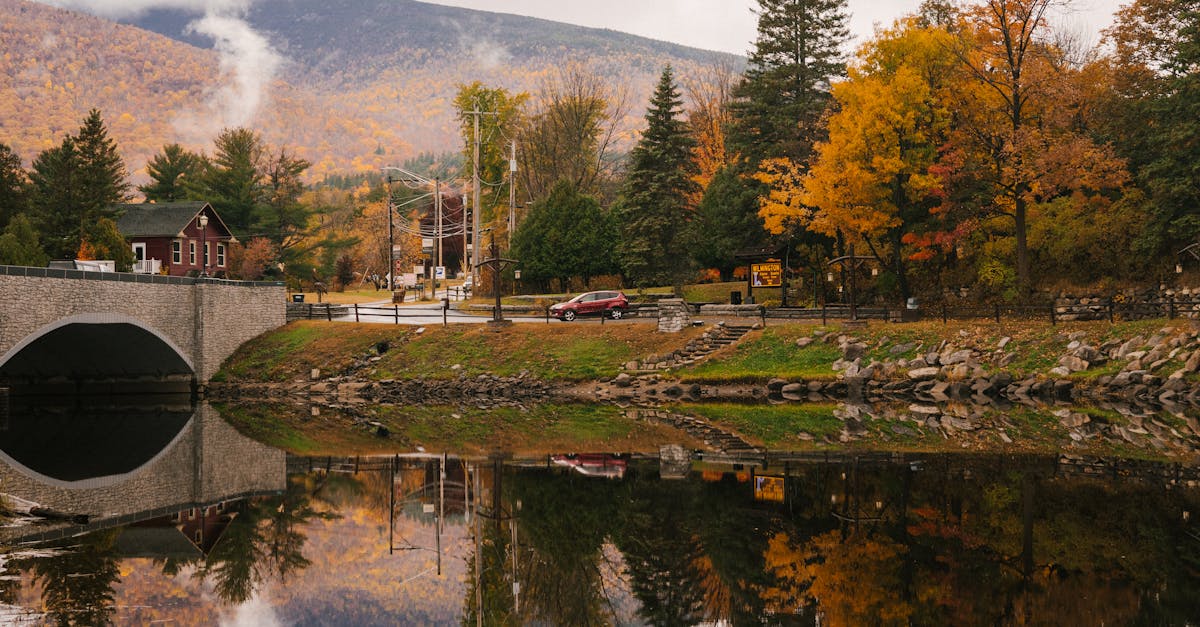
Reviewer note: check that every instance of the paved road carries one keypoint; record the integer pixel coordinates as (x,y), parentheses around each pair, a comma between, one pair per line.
(430,313)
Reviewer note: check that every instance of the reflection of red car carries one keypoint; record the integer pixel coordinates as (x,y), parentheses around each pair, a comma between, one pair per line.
(612,304)
(593,464)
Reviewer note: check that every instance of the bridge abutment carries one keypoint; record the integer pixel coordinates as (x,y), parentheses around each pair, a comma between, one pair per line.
(99,324)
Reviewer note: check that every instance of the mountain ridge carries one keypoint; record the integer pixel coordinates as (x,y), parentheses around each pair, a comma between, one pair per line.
(346,98)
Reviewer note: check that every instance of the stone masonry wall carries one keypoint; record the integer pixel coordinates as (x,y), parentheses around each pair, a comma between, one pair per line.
(673,315)
(230,313)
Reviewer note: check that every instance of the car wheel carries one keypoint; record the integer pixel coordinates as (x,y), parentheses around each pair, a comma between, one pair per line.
(569,315)
(616,313)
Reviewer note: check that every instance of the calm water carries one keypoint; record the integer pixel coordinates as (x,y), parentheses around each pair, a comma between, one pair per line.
(190,523)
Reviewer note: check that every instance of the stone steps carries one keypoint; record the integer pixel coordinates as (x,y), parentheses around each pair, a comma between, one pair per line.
(720,440)
(714,339)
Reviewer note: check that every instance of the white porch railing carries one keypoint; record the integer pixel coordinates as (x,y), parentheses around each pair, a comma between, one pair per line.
(147,266)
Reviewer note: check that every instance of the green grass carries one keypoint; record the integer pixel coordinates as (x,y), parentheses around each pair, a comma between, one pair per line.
(275,425)
(550,352)
(769,354)
(773,426)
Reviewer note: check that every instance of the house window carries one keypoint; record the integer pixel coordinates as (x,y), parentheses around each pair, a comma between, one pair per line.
(207,257)
(176,252)
(191,253)
(220,255)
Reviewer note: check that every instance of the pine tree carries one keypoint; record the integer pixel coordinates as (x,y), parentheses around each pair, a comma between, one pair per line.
(779,105)
(652,211)
(57,199)
(13,186)
(75,184)
(101,171)
(166,170)
(232,181)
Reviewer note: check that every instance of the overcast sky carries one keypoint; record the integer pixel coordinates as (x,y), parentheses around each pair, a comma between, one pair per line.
(729,25)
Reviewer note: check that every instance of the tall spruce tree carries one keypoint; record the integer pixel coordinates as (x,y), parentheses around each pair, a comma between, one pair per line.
(75,184)
(168,170)
(779,105)
(652,210)
(101,170)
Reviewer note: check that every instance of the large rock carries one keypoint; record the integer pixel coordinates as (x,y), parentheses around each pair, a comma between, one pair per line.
(1073,363)
(957,357)
(929,372)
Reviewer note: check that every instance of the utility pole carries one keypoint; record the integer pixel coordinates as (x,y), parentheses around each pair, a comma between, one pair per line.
(437,208)
(512,191)
(476,205)
(391,251)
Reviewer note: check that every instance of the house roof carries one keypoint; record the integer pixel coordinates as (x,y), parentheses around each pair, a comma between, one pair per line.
(162,219)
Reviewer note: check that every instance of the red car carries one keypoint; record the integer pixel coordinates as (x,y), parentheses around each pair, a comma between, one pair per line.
(611,304)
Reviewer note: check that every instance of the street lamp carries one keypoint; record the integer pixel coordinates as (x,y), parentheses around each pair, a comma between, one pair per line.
(204,244)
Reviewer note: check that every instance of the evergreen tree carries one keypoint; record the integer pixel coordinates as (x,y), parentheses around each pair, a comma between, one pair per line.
(76,184)
(101,173)
(726,221)
(166,169)
(57,199)
(19,244)
(279,215)
(652,211)
(231,181)
(13,186)
(779,105)
(567,235)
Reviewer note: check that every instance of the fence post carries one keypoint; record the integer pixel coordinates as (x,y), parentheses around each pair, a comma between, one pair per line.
(997,314)
(547,314)
(823,315)
(944,318)
(396,313)
(310,311)
(329,312)
(762,310)
(356,312)
(1111,314)
(1171,307)
(1053,318)
(445,308)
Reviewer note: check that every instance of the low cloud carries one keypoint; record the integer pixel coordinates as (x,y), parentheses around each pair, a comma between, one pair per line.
(248,62)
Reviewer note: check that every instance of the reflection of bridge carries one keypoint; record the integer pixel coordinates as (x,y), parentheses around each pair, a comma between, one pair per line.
(207,462)
(104,325)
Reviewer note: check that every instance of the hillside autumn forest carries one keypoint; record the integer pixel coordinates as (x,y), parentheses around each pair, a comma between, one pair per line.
(966,144)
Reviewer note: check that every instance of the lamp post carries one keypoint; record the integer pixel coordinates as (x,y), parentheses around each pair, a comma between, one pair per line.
(203,245)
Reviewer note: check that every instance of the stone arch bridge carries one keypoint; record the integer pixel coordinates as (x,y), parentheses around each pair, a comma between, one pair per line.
(81,326)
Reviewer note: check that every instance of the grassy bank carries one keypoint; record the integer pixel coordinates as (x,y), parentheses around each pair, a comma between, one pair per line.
(559,352)
(566,352)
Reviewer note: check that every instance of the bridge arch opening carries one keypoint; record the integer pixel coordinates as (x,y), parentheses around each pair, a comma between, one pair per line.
(95,348)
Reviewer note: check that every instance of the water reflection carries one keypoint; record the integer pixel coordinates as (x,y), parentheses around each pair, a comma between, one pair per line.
(247,535)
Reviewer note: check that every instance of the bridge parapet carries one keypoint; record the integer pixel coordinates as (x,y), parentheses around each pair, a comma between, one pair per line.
(203,319)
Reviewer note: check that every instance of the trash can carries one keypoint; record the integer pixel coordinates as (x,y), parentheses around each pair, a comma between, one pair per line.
(735,298)
(297,298)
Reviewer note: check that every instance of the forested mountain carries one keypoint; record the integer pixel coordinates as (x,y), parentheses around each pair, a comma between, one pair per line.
(359,84)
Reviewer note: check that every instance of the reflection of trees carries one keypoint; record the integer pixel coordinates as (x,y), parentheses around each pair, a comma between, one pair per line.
(564,522)
(659,540)
(77,583)
(263,540)
(957,541)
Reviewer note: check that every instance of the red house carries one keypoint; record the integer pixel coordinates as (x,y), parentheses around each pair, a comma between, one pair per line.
(176,238)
